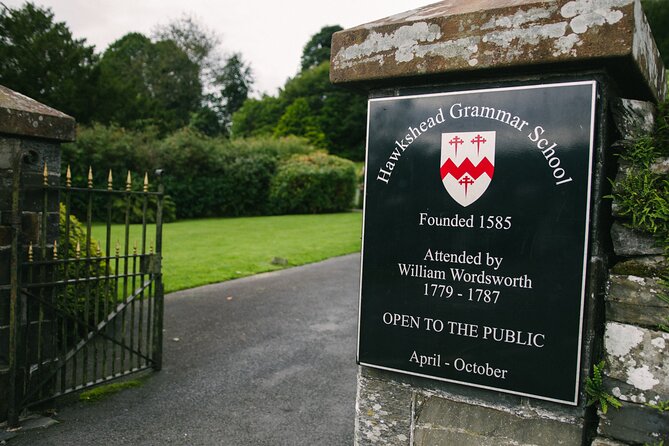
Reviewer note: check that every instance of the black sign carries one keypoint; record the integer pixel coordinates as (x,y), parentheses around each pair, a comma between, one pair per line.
(475,237)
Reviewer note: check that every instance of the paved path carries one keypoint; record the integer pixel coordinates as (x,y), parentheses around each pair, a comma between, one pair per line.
(265,360)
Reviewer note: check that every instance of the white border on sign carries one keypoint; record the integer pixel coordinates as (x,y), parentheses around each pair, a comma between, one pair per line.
(586,240)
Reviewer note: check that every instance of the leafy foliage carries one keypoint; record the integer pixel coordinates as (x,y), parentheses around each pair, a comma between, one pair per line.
(298,119)
(644,197)
(314,183)
(204,176)
(309,106)
(661,406)
(594,388)
(235,81)
(144,83)
(257,117)
(40,59)
(79,299)
(317,50)
(199,44)
(643,194)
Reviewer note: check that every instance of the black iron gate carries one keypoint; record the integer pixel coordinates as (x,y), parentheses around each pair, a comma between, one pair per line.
(86,297)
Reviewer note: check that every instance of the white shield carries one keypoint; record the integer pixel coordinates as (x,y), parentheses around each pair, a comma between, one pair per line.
(467,164)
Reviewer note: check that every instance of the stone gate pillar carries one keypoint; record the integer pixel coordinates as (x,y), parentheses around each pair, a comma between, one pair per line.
(30,134)
(466,336)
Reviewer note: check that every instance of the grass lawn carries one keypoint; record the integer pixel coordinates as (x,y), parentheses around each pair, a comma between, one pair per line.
(198,252)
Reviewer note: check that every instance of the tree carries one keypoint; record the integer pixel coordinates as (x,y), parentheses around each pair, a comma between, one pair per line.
(235,81)
(299,120)
(145,83)
(309,105)
(317,50)
(657,12)
(329,111)
(41,59)
(257,117)
(200,44)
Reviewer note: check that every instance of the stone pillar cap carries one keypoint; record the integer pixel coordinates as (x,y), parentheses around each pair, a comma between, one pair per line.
(475,36)
(20,115)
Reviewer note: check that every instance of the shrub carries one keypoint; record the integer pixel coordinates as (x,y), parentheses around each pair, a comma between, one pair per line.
(211,177)
(119,205)
(313,183)
(204,176)
(105,149)
(80,299)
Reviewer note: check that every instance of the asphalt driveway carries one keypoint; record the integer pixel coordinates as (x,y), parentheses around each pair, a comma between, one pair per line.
(265,360)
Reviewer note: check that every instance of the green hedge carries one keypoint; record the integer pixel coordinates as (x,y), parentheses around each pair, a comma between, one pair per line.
(204,177)
(313,183)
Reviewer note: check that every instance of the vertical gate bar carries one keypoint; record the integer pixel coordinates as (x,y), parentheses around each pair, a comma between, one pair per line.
(149,315)
(75,324)
(14,302)
(107,291)
(96,309)
(126,252)
(145,202)
(158,322)
(42,276)
(66,270)
(132,305)
(88,273)
(115,291)
(54,322)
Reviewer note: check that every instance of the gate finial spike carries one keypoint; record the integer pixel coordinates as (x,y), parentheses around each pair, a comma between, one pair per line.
(118,248)
(55,249)
(30,252)
(77,250)
(151,248)
(90,177)
(134,248)
(98,251)
(68,177)
(45,174)
(109,180)
(128,182)
(146,182)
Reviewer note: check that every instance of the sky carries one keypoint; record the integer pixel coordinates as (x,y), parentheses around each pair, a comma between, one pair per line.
(270,34)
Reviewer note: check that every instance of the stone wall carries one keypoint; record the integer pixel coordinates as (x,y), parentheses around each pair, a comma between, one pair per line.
(636,351)
(30,136)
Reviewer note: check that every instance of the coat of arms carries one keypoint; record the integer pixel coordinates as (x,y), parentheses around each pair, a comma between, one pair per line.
(467,164)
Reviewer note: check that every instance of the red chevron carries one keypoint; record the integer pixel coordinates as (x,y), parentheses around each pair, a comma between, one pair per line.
(467,167)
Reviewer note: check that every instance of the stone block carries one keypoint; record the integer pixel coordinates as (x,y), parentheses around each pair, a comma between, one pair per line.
(21,115)
(638,357)
(601,441)
(6,184)
(383,412)
(5,236)
(474,37)
(634,300)
(392,409)
(30,227)
(644,266)
(442,422)
(633,119)
(628,242)
(635,424)
(660,166)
